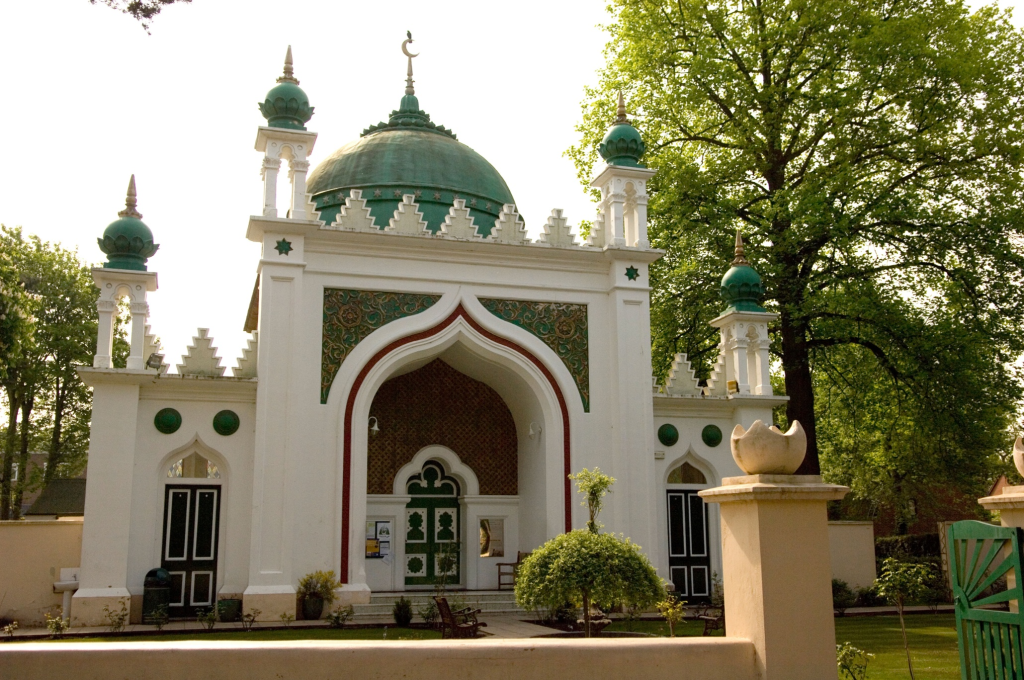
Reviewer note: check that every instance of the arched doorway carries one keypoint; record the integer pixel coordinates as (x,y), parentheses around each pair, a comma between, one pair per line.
(689,537)
(432,528)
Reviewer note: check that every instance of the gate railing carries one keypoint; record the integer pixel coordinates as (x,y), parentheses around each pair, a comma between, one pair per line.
(985,564)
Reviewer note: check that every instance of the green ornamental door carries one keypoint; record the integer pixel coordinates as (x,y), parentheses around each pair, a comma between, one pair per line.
(432,528)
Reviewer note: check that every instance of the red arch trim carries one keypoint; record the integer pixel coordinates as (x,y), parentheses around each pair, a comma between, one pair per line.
(460,312)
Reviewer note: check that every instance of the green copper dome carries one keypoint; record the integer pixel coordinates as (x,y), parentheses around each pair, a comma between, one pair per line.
(127,241)
(409,154)
(622,144)
(286,105)
(741,285)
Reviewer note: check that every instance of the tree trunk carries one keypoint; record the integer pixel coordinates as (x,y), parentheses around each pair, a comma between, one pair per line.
(8,458)
(799,387)
(23,459)
(60,403)
(586,615)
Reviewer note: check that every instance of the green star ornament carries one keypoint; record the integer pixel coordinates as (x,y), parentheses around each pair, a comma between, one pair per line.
(283,246)
(632,273)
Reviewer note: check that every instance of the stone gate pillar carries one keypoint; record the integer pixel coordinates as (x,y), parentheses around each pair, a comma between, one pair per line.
(777,571)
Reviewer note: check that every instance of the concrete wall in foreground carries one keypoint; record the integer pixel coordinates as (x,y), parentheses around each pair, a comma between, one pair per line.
(622,659)
(32,553)
(852,547)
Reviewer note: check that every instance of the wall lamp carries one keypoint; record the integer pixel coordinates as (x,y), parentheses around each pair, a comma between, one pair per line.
(374,427)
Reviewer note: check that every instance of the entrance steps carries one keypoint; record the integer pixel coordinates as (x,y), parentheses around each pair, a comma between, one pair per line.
(498,602)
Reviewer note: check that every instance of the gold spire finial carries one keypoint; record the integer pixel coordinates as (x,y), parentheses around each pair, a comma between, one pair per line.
(130,202)
(409,89)
(621,112)
(289,70)
(741,257)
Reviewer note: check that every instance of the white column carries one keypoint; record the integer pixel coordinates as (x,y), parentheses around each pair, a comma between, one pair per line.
(140,311)
(641,222)
(104,334)
(616,205)
(764,380)
(297,170)
(269,173)
(739,359)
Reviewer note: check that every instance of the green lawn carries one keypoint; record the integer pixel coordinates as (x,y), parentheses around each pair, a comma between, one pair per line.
(932,640)
(298,633)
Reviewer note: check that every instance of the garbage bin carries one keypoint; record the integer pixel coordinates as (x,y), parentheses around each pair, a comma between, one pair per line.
(156,596)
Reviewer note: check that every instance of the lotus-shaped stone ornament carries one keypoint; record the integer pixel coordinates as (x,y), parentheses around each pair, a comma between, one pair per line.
(764,450)
(1018,456)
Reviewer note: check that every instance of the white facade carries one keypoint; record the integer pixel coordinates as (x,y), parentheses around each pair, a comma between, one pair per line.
(293,479)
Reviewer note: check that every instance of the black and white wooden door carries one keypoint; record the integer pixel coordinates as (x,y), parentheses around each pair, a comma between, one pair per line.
(689,556)
(191,523)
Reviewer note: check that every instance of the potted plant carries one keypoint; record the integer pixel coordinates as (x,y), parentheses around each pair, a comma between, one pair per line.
(315,590)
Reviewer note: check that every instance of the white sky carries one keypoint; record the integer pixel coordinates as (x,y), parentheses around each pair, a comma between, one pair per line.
(91,99)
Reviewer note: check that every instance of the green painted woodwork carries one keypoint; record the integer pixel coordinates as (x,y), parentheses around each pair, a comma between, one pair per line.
(167,420)
(622,145)
(286,106)
(742,290)
(432,527)
(351,315)
(711,435)
(127,243)
(983,560)
(668,434)
(410,155)
(226,423)
(561,326)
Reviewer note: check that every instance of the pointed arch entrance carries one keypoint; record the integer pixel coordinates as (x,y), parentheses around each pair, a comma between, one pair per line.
(359,393)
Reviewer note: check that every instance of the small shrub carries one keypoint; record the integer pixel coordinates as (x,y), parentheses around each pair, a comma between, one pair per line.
(842,596)
(56,624)
(852,662)
(160,617)
(249,620)
(10,628)
(339,617)
(116,618)
(319,584)
(402,611)
(632,616)
(287,618)
(207,618)
(672,610)
(429,614)
(900,583)
(868,597)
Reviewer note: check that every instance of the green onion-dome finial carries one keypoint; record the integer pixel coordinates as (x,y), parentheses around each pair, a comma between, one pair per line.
(286,105)
(622,145)
(128,242)
(741,285)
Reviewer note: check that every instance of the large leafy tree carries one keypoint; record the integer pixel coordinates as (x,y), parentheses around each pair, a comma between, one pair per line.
(871,153)
(48,407)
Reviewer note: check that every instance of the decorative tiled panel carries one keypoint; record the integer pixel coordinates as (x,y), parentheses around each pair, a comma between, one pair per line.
(561,326)
(438,405)
(351,315)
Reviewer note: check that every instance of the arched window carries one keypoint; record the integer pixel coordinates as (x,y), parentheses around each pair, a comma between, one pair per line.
(686,474)
(193,466)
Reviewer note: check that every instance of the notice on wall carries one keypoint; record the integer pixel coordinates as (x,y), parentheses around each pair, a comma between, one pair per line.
(378,539)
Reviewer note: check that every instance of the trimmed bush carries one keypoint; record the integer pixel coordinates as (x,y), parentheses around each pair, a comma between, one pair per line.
(913,545)
(842,596)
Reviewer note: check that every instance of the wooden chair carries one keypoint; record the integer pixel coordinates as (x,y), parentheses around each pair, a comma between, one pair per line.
(508,571)
(458,624)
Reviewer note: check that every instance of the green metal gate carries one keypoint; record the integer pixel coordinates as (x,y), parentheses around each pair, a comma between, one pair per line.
(985,562)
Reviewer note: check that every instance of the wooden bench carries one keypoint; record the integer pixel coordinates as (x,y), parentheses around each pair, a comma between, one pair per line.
(457,624)
(714,619)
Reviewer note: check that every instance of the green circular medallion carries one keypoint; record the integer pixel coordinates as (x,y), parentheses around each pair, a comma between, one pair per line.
(711,435)
(668,434)
(167,420)
(226,422)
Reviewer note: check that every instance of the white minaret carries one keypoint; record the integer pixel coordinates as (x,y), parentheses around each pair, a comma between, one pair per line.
(744,362)
(287,110)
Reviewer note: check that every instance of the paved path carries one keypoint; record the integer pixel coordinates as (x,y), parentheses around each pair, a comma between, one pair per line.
(497,626)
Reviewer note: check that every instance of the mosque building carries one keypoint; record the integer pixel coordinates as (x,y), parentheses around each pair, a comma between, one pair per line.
(420,381)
